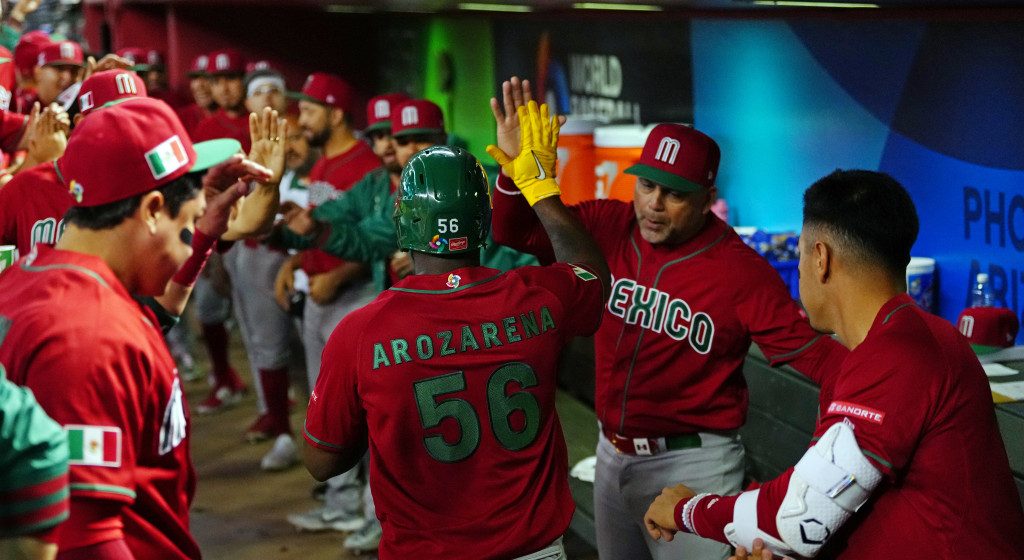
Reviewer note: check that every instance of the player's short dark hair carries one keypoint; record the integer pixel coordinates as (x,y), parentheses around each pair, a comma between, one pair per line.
(869,213)
(106,216)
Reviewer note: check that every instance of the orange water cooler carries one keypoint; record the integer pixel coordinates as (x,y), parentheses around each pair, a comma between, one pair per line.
(617,147)
(576,160)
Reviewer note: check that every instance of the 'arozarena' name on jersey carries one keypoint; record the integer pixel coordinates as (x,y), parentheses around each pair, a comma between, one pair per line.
(471,337)
(657,311)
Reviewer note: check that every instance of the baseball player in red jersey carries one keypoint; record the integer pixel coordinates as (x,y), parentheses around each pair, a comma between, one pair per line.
(687,299)
(456,401)
(60,65)
(336,287)
(26,58)
(226,68)
(906,459)
(33,203)
(71,321)
(199,84)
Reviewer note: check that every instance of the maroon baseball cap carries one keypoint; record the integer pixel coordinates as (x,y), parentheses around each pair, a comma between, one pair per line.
(132,148)
(226,61)
(200,66)
(62,52)
(416,116)
(378,110)
(154,59)
(135,55)
(26,52)
(327,89)
(107,86)
(989,326)
(257,65)
(679,157)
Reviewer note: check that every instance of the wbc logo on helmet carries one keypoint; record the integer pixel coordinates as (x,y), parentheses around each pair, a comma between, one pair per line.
(410,116)
(203,62)
(668,149)
(126,85)
(382,109)
(222,62)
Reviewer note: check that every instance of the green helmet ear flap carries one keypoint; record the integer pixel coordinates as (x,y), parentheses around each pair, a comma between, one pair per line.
(443,204)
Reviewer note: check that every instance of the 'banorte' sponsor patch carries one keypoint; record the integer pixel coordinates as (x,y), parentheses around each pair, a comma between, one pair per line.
(856,411)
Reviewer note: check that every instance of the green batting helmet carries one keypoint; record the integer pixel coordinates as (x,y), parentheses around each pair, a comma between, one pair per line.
(444,205)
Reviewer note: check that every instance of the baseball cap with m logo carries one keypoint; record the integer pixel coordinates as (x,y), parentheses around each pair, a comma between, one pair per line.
(678,157)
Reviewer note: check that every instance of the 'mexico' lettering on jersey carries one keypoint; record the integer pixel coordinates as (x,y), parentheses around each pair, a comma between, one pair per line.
(466,338)
(659,312)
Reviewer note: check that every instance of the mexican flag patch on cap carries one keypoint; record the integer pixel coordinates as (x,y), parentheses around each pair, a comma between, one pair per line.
(98,446)
(167,158)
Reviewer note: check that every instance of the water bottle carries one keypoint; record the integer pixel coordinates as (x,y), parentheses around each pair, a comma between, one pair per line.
(981,293)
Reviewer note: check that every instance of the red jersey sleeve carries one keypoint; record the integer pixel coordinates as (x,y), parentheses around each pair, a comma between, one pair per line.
(514,224)
(335,419)
(780,328)
(888,410)
(8,221)
(12,127)
(576,287)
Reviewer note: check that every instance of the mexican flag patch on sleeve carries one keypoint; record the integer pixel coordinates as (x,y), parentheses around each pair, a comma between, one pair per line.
(96,446)
(583,273)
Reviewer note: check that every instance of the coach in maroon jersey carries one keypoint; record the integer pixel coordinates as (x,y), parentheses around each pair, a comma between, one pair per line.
(450,373)
(687,299)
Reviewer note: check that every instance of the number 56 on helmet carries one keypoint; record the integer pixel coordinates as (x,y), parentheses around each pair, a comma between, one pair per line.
(443,205)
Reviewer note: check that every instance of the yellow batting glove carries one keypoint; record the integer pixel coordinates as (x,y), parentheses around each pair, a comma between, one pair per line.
(533,170)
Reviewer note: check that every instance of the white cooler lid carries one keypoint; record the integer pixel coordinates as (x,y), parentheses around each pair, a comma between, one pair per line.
(620,136)
(578,127)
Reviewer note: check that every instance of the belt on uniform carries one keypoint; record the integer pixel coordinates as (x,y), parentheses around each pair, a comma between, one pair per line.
(652,446)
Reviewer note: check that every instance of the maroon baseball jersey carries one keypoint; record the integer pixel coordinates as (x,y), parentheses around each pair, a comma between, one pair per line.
(328,179)
(679,322)
(191,115)
(222,125)
(921,409)
(12,127)
(32,207)
(453,376)
(69,323)
(24,99)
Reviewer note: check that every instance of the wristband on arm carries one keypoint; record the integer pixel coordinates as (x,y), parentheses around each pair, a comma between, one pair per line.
(202,248)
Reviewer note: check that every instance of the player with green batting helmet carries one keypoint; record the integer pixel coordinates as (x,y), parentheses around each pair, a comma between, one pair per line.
(443,203)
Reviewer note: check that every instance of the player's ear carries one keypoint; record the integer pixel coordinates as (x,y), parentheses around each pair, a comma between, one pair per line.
(823,255)
(337,117)
(712,196)
(150,206)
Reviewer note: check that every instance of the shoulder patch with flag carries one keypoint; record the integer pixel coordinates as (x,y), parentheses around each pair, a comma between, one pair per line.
(583,273)
(167,157)
(96,446)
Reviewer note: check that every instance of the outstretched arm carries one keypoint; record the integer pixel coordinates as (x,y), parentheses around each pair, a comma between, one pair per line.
(533,170)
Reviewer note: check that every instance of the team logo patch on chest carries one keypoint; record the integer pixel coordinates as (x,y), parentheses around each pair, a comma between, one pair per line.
(856,411)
